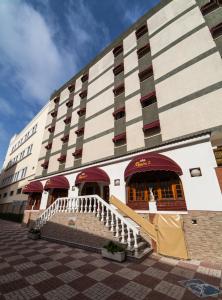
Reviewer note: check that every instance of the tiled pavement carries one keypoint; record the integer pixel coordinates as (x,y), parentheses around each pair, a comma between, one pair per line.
(44,270)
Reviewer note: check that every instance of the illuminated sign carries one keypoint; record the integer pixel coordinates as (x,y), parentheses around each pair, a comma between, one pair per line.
(142,163)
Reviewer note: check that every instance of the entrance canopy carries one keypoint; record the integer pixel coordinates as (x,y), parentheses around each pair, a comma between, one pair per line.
(93,174)
(33,187)
(151,162)
(57,182)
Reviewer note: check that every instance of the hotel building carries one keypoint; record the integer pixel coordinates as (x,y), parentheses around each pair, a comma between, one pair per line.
(20,165)
(143,122)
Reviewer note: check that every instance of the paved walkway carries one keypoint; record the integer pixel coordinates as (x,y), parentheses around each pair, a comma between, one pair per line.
(44,270)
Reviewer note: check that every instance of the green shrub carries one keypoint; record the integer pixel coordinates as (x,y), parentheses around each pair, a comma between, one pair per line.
(112,247)
(12,217)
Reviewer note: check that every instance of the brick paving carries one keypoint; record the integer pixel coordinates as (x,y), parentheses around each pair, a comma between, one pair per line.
(45,270)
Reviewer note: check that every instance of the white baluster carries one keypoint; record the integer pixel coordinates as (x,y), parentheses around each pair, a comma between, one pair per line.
(107,217)
(90,205)
(81,205)
(94,205)
(129,238)
(102,213)
(135,242)
(86,202)
(117,227)
(112,222)
(98,209)
(77,205)
(123,232)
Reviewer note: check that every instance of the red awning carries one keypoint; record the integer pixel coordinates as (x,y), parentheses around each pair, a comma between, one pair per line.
(119,137)
(122,109)
(57,182)
(155,124)
(33,187)
(151,162)
(148,97)
(93,174)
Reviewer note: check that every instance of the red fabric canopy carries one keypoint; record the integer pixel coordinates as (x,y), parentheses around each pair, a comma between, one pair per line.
(33,187)
(93,174)
(152,125)
(57,182)
(151,162)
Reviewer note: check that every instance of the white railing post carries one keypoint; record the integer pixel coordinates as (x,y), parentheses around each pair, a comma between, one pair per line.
(102,213)
(112,222)
(129,238)
(86,202)
(117,227)
(123,232)
(90,205)
(94,205)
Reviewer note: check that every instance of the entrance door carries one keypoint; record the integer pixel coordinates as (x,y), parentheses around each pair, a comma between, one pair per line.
(90,188)
(56,193)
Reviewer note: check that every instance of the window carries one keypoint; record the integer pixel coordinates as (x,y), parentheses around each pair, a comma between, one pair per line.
(118,69)
(19,191)
(141,31)
(79,131)
(29,150)
(49,146)
(117,50)
(22,154)
(62,158)
(119,138)
(4,195)
(119,90)
(81,112)
(84,77)
(119,113)
(67,120)
(148,99)
(146,73)
(69,103)
(83,94)
(51,129)
(144,50)
(210,6)
(0,196)
(56,100)
(54,114)
(11,193)
(45,165)
(216,31)
(71,88)
(65,138)
(23,173)
(77,153)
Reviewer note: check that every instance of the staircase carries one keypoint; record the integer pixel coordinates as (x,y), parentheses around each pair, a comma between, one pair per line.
(123,229)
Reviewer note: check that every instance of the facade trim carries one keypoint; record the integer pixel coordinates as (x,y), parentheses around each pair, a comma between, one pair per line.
(186,64)
(193,96)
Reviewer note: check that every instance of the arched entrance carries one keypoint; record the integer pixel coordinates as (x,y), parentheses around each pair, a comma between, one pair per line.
(154,177)
(57,187)
(34,190)
(93,181)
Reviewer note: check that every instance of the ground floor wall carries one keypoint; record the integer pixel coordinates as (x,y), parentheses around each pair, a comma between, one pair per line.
(201,192)
(203,231)
(78,228)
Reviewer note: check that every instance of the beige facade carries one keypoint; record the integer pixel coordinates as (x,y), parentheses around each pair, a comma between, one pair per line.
(21,160)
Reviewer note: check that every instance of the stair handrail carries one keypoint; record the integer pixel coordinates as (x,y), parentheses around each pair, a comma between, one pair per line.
(54,207)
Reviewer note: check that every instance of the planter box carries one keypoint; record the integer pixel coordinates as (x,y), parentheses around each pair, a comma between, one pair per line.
(117,256)
(33,236)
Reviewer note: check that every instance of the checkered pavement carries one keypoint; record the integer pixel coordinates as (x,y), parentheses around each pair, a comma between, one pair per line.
(45,270)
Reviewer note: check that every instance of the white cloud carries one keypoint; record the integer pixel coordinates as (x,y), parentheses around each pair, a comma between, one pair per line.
(27,51)
(86,31)
(6,108)
(132,15)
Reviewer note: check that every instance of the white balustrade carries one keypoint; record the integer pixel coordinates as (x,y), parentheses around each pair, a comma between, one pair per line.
(106,213)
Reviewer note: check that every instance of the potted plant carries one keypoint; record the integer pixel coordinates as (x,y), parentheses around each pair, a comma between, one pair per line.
(34,233)
(114,252)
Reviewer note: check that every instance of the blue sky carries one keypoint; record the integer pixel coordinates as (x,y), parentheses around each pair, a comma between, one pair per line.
(43,43)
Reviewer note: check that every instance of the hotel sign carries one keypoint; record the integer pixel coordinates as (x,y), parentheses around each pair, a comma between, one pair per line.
(142,163)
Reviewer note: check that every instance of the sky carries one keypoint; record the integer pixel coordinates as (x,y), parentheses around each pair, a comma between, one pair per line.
(43,43)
